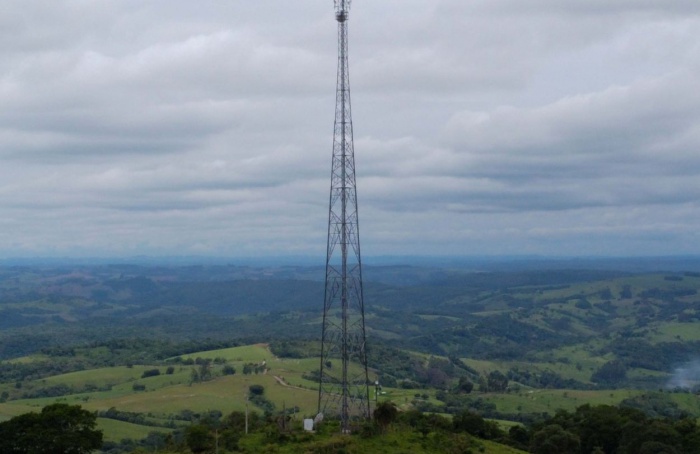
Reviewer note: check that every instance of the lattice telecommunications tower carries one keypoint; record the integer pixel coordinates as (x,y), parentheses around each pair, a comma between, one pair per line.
(343,388)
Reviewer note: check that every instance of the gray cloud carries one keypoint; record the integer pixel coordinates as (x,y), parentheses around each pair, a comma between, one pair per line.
(504,127)
(596,149)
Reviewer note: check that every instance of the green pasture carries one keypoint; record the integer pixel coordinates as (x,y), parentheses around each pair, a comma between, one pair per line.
(673,332)
(485,366)
(491,447)
(505,424)
(99,377)
(538,401)
(249,353)
(181,375)
(11,409)
(382,334)
(93,384)
(292,370)
(118,430)
(635,374)
(569,291)
(658,280)
(28,359)
(438,317)
(169,394)
(578,364)
(591,290)
(226,394)
(687,402)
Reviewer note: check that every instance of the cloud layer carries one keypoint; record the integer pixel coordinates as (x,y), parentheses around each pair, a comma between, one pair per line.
(172,128)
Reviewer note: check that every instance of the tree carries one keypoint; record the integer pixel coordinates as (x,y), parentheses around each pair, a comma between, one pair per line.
(519,437)
(655,447)
(465,386)
(598,426)
(552,439)
(626,292)
(58,429)
(689,430)
(385,413)
(236,421)
(199,439)
(610,373)
(229,439)
(475,424)
(205,371)
(497,382)
(650,437)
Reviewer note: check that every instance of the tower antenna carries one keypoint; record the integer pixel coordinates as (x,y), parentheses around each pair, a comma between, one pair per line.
(343,387)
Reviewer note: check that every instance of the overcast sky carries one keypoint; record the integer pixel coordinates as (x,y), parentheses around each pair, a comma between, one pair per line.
(482,127)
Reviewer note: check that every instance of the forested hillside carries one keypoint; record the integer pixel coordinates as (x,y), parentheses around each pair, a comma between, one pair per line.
(641,327)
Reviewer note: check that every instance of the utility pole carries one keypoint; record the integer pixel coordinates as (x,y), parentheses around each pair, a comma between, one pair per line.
(343,389)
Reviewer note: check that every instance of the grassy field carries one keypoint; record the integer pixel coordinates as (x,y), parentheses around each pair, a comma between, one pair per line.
(99,377)
(249,353)
(28,359)
(537,401)
(687,402)
(222,393)
(119,430)
(673,332)
(569,362)
(167,395)
(10,410)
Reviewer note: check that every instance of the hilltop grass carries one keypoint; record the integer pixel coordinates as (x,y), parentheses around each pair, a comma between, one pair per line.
(396,441)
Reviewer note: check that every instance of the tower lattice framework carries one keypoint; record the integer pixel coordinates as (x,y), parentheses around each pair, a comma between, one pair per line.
(343,388)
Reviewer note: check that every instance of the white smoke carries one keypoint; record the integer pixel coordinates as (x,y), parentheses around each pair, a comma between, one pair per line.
(686,377)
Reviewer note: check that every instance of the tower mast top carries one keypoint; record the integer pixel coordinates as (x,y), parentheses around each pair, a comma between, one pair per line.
(342,9)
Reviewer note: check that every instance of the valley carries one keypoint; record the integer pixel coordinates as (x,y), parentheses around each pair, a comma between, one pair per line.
(151,349)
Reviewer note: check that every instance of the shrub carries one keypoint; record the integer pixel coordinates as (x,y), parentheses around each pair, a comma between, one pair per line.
(257,390)
(150,373)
